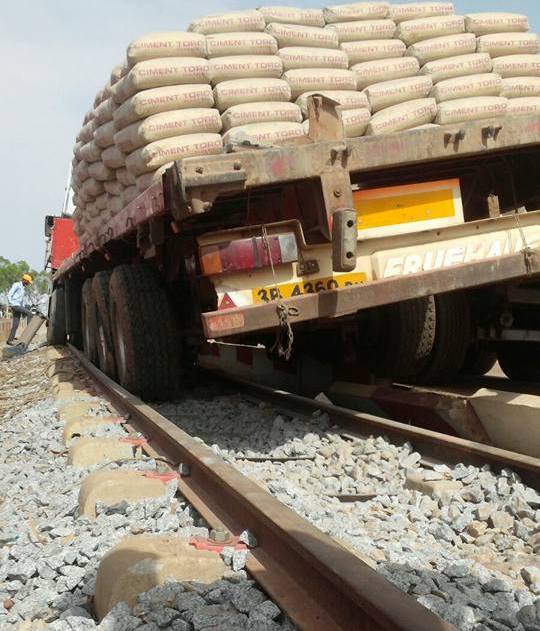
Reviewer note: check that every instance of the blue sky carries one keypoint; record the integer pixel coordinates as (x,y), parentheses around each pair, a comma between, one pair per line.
(56,54)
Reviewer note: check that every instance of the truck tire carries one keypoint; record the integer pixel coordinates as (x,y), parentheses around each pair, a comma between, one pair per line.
(144,333)
(520,360)
(104,341)
(56,327)
(406,337)
(88,316)
(452,339)
(478,361)
(72,301)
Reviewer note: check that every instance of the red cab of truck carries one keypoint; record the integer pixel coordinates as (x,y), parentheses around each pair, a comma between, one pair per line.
(63,242)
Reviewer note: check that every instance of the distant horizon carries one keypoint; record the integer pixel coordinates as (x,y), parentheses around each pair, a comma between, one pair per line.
(57,55)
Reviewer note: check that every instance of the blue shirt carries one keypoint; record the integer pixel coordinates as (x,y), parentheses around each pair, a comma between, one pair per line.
(16,295)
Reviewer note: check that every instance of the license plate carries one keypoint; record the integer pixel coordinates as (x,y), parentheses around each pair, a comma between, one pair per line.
(289,290)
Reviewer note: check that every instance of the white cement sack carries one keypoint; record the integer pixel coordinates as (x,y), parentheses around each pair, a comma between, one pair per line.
(347,99)
(99,98)
(488,84)
(295,35)
(295,57)
(81,171)
(250,43)
(115,204)
(107,91)
(229,23)
(231,93)
(146,180)
(460,66)
(100,172)
(157,100)
(307,79)
(419,10)
(77,150)
(104,112)
(292,15)
(101,202)
(113,157)
(370,72)
(88,116)
(263,133)
(251,113)
(364,30)
(125,177)
(426,126)
(355,122)
(442,47)
(403,116)
(104,135)
(518,87)
(369,50)
(166,125)
(92,211)
(517,66)
(473,108)
(356,11)
(90,152)
(524,105)
(486,23)
(156,73)
(413,31)
(166,44)
(113,187)
(245,66)
(501,44)
(158,153)
(119,71)
(129,194)
(388,93)
(92,188)
(87,131)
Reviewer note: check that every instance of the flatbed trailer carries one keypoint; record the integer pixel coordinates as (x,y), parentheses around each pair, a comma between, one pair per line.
(417,251)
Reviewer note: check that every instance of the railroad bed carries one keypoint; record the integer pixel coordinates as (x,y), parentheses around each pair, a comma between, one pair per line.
(460,538)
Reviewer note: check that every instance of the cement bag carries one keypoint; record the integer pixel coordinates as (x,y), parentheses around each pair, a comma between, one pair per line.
(99,98)
(251,113)
(489,84)
(426,126)
(115,204)
(355,122)
(517,66)
(369,50)
(125,177)
(104,135)
(129,194)
(460,66)
(77,150)
(90,152)
(146,180)
(419,10)
(118,72)
(113,157)
(113,187)
(87,131)
(388,93)
(156,73)
(104,112)
(304,57)
(293,15)
(370,72)
(158,153)
(293,35)
(88,116)
(157,100)
(356,11)
(473,108)
(100,172)
(501,44)
(166,125)
(92,188)
(245,66)
(525,105)
(234,22)
(413,31)
(92,211)
(486,23)
(226,44)
(402,116)
(263,133)
(307,79)
(347,99)
(167,44)
(101,202)
(229,93)
(365,30)
(517,87)
(81,171)
(441,47)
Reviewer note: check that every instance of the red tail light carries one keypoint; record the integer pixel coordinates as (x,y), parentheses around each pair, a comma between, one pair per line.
(246,254)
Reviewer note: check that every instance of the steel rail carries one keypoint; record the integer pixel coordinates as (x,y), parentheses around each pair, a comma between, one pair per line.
(321,585)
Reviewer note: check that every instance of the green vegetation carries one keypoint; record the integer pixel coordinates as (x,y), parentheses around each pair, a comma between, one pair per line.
(12,272)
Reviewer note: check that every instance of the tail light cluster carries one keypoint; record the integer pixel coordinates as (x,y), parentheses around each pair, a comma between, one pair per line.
(247,254)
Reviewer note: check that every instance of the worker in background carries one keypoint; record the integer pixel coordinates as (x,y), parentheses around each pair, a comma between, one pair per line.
(16,300)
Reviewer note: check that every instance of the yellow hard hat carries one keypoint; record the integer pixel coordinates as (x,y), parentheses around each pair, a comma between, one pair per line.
(27,278)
